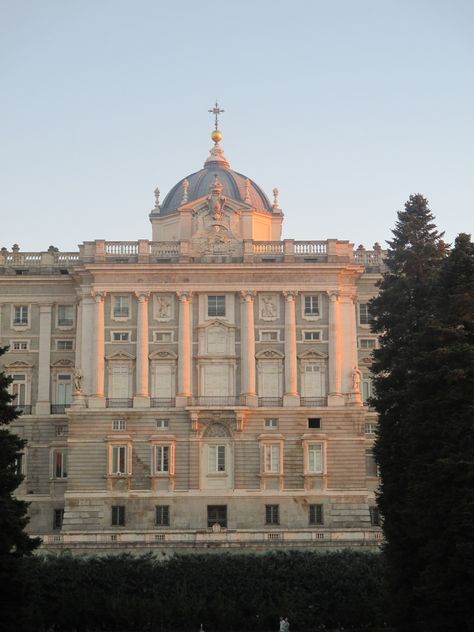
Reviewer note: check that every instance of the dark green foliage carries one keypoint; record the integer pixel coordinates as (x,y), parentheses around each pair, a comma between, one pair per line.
(424,386)
(221,591)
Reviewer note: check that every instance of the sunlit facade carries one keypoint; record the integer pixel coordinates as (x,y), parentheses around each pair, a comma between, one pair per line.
(203,389)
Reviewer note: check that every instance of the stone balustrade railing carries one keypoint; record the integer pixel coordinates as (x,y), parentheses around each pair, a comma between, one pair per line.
(144,251)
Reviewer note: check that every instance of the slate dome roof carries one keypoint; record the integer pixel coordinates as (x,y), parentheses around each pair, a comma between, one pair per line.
(234,185)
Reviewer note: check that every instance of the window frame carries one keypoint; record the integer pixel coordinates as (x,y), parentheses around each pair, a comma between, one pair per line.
(271,423)
(220,451)
(158,332)
(63,340)
(362,339)
(21,324)
(58,518)
(311,314)
(364,317)
(69,322)
(211,522)
(116,313)
(20,342)
(164,519)
(371,467)
(117,516)
(272,515)
(59,469)
(269,331)
(160,461)
(119,425)
(117,445)
(374,513)
(217,308)
(316,514)
(312,331)
(308,442)
(120,332)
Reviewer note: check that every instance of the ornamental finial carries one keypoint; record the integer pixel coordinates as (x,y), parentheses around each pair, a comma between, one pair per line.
(276,193)
(216,134)
(157,197)
(247,191)
(185,191)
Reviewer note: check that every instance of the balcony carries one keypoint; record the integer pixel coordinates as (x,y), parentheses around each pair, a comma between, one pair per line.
(162,402)
(24,409)
(122,402)
(216,401)
(59,409)
(313,402)
(270,402)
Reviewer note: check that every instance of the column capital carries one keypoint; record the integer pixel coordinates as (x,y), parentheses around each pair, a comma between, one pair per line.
(333,295)
(98,296)
(290,295)
(142,295)
(184,296)
(247,296)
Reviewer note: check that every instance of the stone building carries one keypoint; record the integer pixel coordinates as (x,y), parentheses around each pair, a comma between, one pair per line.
(203,389)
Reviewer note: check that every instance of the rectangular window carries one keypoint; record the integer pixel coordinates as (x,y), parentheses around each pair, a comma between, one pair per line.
(271,424)
(370,464)
(216,306)
(162,459)
(20,316)
(19,465)
(272,459)
(119,424)
(119,459)
(20,345)
(162,515)
(118,515)
(367,343)
(269,336)
(162,424)
(59,464)
(315,458)
(64,389)
(18,388)
(316,514)
(374,516)
(367,388)
(216,455)
(272,514)
(120,336)
(365,317)
(370,427)
(64,345)
(163,336)
(217,514)
(311,305)
(121,307)
(58,515)
(311,336)
(65,315)
(314,423)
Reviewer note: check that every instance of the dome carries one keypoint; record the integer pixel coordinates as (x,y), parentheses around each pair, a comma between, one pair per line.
(234,185)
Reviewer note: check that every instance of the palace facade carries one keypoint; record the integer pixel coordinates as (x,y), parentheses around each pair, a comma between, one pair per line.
(202,390)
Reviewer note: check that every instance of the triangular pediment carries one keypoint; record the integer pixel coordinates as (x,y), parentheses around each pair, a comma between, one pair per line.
(18,365)
(120,355)
(162,355)
(216,322)
(62,364)
(312,354)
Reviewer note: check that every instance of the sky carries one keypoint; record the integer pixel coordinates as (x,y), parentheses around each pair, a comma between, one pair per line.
(348,107)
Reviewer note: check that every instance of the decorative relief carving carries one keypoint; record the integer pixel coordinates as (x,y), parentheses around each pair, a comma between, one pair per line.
(268,307)
(217,430)
(163,307)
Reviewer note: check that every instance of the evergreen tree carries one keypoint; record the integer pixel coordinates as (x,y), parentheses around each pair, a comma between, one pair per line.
(14,542)
(401,312)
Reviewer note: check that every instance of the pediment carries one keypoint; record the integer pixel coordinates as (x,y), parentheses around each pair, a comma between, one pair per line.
(62,364)
(18,364)
(216,322)
(269,354)
(312,354)
(162,355)
(365,361)
(202,205)
(120,355)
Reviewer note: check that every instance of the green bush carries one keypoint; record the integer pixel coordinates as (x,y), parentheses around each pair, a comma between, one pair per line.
(228,592)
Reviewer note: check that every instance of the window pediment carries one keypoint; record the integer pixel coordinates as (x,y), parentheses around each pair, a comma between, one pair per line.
(216,322)
(120,355)
(18,364)
(163,355)
(312,354)
(269,354)
(59,364)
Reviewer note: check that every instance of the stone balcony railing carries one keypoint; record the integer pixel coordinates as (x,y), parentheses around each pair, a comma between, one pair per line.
(144,251)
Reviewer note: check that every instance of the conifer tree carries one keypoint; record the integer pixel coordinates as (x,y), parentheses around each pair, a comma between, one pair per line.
(401,311)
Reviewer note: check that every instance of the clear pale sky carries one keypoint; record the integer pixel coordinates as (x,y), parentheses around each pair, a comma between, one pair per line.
(347,107)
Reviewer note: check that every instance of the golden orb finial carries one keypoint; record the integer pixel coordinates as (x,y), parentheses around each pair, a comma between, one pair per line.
(216,136)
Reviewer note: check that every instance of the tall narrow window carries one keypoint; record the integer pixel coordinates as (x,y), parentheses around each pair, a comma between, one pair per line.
(315,458)
(215,306)
(316,514)
(118,515)
(216,455)
(18,388)
(20,316)
(272,458)
(272,514)
(60,463)
(374,516)
(365,317)
(119,459)
(370,464)
(162,518)
(65,315)
(162,459)
(121,307)
(64,390)
(58,516)
(311,305)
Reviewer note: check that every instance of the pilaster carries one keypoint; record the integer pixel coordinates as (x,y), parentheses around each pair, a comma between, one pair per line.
(291,396)
(98,400)
(184,348)
(43,403)
(247,348)
(142,395)
(335,397)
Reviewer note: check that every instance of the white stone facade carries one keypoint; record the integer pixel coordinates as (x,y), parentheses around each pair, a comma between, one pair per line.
(199,391)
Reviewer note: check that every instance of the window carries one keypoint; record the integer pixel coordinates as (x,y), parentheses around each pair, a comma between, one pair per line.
(314,423)
(272,514)
(119,460)
(370,427)
(316,514)
(120,336)
(162,459)
(315,458)
(21,315)
(163,336)
(20,345)
(311,335)
(64,389)
(216,306)
(162,424)
(216,457)
(365,317)
(118,515)
(269,336)
(19,388)
(19,464)
(311,305)
(60,431)
(217,514)
(65,315)
(367,343)
(271,424)
(370,464)
(271,455)
(64,345)
(367,388)
(374,516)
(58,516)
(119,424)
(162,515)
(121,306)
(60,463)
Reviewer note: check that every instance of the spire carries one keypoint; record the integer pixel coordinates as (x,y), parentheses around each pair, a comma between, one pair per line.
(217,157)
